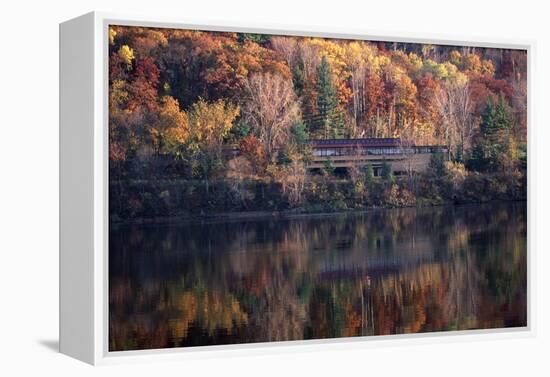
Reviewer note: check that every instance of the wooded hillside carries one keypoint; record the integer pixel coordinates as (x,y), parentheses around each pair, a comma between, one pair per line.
(179,98)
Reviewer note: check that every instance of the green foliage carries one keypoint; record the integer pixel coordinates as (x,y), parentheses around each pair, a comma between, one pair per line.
(240,131)
(495,142)
(522,155)
(387,174)
(298,78)
(480,157)
(284,157)
(495,119)
(299,133)
(369,176)
(329,166)
(253,37)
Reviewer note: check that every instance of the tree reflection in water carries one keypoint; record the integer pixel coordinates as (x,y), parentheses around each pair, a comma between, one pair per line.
(382,272)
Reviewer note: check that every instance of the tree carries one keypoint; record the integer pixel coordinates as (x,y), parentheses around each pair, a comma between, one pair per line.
(357,55)
(428,89)
(455,112)
(126,54)
(292,178)
(291,175)
(329,122)
(251,148)
(495,140)
(300,136)
(463,115)
(496,120)
(171,128)
(386,172)
(329,168)
(209,124)
(253,37)
(112,35)
(270,108)
(143,87)
(305,80)
(400,99)
(369,176)
(287,47)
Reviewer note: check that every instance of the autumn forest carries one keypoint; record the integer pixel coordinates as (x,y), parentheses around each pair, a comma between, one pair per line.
(212,122)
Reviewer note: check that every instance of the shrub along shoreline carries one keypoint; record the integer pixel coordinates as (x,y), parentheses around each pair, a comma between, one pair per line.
(178,200)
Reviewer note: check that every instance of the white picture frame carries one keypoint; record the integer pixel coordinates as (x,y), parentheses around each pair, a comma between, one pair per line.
(84,191)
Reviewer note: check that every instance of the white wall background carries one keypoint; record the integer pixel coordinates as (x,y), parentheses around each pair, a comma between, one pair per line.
(29,185)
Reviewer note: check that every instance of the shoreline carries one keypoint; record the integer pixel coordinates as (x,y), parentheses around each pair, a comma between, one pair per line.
(283,215)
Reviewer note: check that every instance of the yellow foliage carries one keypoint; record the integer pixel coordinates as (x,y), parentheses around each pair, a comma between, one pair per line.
(472,63)
(112,35)
(172,128)
(209,123)
(118,95)
(354,55)
(157,36)
(439,71)
(455,57)
(334,53)
(457,173)
(450,68)
(487,68)
(461,79)
(336,57)
(126,54)
(513,149)
(415,62)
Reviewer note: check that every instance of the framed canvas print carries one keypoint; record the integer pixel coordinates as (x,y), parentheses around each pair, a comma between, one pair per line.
(241,187)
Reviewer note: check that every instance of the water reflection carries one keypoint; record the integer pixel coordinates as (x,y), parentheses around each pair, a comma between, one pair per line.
(384,272)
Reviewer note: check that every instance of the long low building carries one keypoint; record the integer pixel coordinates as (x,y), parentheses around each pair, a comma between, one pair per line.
(345,153)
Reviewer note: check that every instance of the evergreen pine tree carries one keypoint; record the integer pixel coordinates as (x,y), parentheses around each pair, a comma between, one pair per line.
(495,120)
(494,137)
(387,173)
(369,176)
(487,126)
(329,166)
(330,121)
(502,115)
(298,78)
(299,133)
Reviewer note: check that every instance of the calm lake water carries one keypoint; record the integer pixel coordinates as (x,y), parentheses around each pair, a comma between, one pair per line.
(383,272)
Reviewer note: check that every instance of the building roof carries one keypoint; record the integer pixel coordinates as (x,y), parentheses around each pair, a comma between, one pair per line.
(366,142)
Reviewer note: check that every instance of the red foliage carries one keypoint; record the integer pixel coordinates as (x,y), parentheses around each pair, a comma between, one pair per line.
(116,67)
(375,95)
(117,153)
(147,70)
(498,86)
(427,89)
(251,147)
(483,88)
(144,87)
